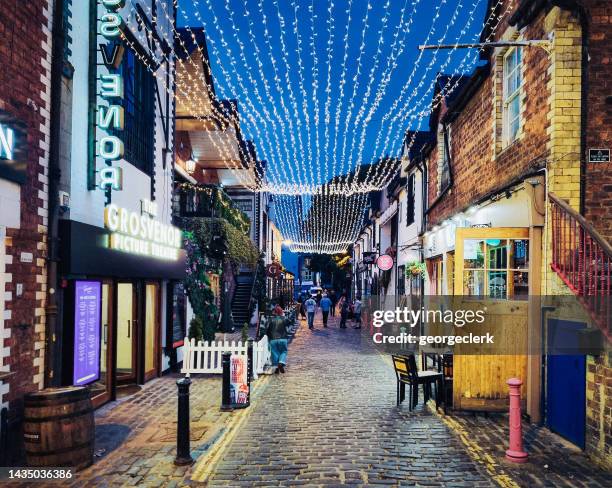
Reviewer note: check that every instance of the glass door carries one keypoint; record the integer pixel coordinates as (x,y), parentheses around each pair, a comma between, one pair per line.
(151,333)
(101,389)
(126,333)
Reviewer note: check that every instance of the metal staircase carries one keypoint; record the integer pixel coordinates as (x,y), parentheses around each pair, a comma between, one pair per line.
(241,310)
(583,260)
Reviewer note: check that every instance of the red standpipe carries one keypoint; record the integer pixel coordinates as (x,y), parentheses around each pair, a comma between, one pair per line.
(516,454)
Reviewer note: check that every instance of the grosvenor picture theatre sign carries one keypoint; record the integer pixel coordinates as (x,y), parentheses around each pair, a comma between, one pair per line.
(110,114)
(140,233)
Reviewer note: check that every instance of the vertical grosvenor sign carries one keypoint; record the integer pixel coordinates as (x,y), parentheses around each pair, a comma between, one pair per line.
(110,114)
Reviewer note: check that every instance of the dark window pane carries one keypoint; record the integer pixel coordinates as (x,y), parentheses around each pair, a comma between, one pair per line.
(497,251)
(139,109)
(520,254)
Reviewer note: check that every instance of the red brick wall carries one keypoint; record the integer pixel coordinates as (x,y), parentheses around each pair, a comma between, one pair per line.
(476,171)
(21,82)
(598,189)
(598,210)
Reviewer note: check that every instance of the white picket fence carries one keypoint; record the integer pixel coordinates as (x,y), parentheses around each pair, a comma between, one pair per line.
(206,357)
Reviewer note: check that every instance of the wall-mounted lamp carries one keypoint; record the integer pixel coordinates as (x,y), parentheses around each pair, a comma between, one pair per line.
(190,166)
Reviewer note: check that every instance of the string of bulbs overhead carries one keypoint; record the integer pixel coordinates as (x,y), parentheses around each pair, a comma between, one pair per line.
(314,156)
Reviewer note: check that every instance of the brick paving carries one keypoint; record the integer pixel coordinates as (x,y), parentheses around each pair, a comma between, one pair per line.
(552,460)
(136,436)
(332,420)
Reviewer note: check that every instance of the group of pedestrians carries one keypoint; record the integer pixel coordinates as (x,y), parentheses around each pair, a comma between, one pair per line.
(328,306)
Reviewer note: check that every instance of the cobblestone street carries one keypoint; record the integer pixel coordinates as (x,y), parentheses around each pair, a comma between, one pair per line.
(331,419)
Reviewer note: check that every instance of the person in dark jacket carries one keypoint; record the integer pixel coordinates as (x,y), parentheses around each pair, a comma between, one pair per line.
(334,300)
(344,313)
(277,333)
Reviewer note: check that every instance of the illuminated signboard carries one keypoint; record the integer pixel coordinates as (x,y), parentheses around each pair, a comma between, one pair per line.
(139,233)
(87,296)
(12,150)
(110,116)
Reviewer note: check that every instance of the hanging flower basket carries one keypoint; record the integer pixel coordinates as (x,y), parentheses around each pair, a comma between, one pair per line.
(415,268)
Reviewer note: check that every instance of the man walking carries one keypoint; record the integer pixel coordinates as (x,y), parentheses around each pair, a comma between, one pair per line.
(311,307)
(344,312)
(277,333)
(334,300)
(325,305)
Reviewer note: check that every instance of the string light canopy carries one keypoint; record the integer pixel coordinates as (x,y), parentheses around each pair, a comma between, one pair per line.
(326,90)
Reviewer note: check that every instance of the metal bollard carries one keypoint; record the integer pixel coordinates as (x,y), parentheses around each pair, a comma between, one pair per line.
(183,456)
(226,402)
(250,367)
(515,453)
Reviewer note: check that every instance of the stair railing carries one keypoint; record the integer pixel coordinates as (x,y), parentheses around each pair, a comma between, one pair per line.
(583,260)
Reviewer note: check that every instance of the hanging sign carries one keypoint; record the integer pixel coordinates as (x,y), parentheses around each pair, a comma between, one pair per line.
(110,114)
(369,257)
(599,155)
(239,381)
(86,332)
(384,262)
(273,270)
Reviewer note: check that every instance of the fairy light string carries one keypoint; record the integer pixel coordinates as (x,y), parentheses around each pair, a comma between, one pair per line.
(314,153)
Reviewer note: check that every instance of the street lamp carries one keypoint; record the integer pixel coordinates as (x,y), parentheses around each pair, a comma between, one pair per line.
(190,166)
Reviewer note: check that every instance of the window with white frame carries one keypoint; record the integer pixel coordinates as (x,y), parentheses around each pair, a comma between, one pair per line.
(512,90)
(443,139)
(410,200)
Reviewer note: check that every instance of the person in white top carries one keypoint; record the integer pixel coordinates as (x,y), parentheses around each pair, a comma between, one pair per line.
(357,313)
(311,308)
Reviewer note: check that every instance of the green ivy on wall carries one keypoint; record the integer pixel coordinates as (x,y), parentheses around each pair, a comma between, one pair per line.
(201,296)
(240,248)
(219,204)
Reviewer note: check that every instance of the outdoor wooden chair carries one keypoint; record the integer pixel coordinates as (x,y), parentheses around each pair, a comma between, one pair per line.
(406,374)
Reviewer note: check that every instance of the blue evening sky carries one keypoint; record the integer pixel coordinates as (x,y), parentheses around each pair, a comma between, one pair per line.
(302,82)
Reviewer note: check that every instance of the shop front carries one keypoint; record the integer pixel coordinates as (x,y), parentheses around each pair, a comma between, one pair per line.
(490,256)
(122,305)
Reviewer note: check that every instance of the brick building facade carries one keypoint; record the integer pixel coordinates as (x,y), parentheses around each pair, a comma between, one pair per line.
(483,163)
(25,56)
(598,184)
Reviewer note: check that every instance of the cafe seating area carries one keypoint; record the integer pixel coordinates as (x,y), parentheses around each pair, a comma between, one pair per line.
(436,372)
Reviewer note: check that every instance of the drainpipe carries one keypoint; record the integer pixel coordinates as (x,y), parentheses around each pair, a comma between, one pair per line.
(53,353)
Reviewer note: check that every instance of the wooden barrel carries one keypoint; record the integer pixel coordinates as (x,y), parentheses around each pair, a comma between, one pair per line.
(58,428)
